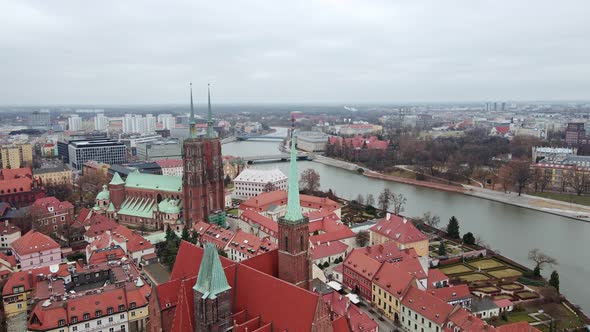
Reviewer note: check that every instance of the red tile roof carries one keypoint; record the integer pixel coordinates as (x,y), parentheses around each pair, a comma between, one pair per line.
(7,227)
(393,279)
(340,325)
(15,173)
(427,305)
(10,260)
(467,322)
(133,241)
(343,234)
(453,293)
(15,185)
(359,141)
(250,245)
(184,313)
(99,224)
(33,242)
(81,218)
(517,327)
(328,249)
(217,235)
(341,306)
(502,129)
(503,303)
(28,279)
(362,264)
(201,227)
(188,252)
(264,201)
(434,276)
(398,229)
(103,256)
(44,205)
(169,163)
(265,224)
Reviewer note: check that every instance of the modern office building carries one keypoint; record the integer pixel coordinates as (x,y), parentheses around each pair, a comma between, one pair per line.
(162,149)
(311,141)
(101,150)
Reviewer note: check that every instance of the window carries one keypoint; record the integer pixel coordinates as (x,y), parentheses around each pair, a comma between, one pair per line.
(19,305)
(74,319)
(121,307)
(133,314)
(98,313)
(87,325)
(109,310)
(122,316)
(110,319)
(132,305)
(86,316)
(61,322)
(99,322)
(74,328)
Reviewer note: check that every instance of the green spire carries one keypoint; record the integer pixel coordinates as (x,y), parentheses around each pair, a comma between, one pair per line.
(211,279)
(210,131)
(117,179)
(293,205)
(192,122)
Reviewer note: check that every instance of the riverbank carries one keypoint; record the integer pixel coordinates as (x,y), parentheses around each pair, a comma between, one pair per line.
(541,204)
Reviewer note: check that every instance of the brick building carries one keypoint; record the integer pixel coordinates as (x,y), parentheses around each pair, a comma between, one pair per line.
(18,187)
(50,216)
(575,134)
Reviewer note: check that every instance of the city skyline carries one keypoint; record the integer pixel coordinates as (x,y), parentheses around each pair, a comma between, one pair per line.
(310,52)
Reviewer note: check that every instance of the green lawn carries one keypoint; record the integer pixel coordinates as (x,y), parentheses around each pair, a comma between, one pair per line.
(455,269)
(233,212)
(505,273)
(520,316)
(582,200)
(486,264)
(474,277)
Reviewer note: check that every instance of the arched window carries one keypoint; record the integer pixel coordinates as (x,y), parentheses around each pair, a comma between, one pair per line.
(286,243)
(301,242)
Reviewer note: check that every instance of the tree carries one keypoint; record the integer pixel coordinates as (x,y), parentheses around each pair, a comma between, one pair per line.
(578,180)
(310,180)
(362,238)
(268,187)
(554,280)
(429,219)
(453,228)
(227,180)
(442,251)
(385,199)
(370,200)
(399,202)
(468,238)
(88,186)
(61,191)
(521,173)
(506,177)
(170,253)
(360,199)
(185,234)
(541,259)
(194,237)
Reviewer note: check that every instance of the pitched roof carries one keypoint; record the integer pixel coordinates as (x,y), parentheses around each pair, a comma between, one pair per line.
(427,305)
(116,179)
(265,224)
(7,227)
(341,306)
(434,276)
(15,173)
(188,252)
(398,229)
(81,218)
(184,313)
(393,279)
(44,205)
(154,182)
(170,163)
(340,324)
(362,264)
(264,201)
(33,242)
(211,279)
(467,322)
(344,233)
(453,293)
(251,245)
(100,224)
(328,249)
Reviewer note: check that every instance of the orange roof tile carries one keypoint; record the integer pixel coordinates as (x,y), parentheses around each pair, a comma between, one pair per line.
(33,242)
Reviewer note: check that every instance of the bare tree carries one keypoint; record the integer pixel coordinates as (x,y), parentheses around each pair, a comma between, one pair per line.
(360,199)
(385,199)
(521,173)
(399,202)
(578,180)
(370,200)
(430,219)
(268,187)
(506,177)
(310,180)
(541,259)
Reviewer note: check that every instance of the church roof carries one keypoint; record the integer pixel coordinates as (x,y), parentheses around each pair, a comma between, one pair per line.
(293,206)
(211,279)
(104,194)
(116,179)
(154,182)
(169,206)
(138,207)
(111,207)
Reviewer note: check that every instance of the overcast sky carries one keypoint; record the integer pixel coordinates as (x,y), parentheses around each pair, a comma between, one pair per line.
(146,52)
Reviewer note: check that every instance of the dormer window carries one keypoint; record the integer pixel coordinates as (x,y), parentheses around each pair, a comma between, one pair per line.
(109,310)
(86,316)
(74,319)
(132,305)
(121,307)
(98,313)
(61,322)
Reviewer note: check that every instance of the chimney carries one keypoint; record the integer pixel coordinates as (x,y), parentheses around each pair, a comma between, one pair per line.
(405,220)
(387,216)
(6,223)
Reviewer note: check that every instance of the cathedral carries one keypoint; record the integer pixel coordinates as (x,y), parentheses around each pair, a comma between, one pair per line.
(203,189)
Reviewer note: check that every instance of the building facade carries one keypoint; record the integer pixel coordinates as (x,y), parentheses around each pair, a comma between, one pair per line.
(252,182)
(104,151)
(53,176)
(34,250)
(17,155)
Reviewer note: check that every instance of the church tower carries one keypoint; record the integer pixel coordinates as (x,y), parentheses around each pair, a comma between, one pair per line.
(294,263)
(202,181)
(211,294)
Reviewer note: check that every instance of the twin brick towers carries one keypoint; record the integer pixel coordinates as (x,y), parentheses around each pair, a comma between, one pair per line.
(204,192)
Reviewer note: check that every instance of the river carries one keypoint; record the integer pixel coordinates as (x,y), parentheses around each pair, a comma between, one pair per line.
(510,230)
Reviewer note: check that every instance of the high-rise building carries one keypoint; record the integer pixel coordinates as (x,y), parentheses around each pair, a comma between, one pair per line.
(575,133)
(168,121)
(294,263)
(74,123)
(133,123)
(101,122)
(203,185)
(40,119)
(17,156)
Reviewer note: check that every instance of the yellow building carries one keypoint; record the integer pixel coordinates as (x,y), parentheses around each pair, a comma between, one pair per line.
(389,286)
(17,156)
(53,175)
(400,231)
(15,294)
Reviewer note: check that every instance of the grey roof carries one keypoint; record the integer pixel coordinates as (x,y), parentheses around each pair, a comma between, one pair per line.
(320,287)
(482,304)
(44,170)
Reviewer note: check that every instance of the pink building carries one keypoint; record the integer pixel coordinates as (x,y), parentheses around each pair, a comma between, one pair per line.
(34,250)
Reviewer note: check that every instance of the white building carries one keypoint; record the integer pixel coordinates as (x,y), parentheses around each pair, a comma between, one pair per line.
(8,234)
(311,141)
(101,122)
(251,182)
(168,121)
(74,123)
(133,123)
